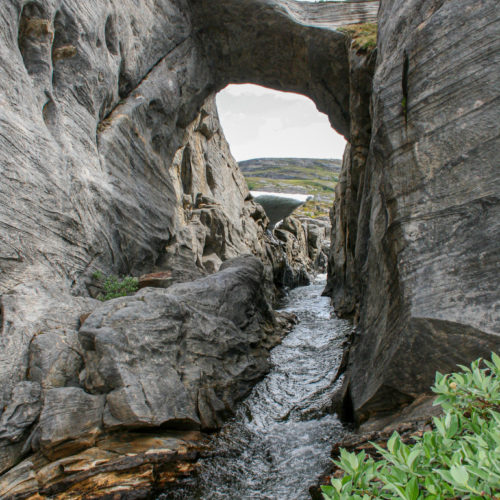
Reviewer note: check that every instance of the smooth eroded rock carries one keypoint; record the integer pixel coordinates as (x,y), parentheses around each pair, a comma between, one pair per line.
(180,356)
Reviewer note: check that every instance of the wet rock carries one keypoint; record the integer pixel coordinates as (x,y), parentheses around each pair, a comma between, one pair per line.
(318,242)
(130,465)
(305,246)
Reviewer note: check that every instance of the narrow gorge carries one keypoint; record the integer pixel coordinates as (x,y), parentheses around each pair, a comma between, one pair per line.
(114,161)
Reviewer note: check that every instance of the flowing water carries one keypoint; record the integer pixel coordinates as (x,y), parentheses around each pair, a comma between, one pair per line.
(280,439)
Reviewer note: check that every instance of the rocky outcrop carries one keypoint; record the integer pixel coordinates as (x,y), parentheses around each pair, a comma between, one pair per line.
(416,234)
(176,358)
(124,465)
(318,241)
(112,158)
(343,277)
(180,356)
(294,47)
(305,247)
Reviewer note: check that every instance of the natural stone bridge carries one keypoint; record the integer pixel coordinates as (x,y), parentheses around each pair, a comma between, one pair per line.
(284,45)
(105,154)
(112,158)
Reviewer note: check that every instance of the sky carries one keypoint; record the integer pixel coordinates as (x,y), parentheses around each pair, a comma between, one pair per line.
(263,123)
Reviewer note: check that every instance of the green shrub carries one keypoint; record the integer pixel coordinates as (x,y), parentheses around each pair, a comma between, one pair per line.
(113,287)
(458,459)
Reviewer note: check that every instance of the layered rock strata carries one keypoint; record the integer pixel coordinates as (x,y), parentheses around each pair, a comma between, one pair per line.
(416,226)
(119,465)
(305,246)
(113,159)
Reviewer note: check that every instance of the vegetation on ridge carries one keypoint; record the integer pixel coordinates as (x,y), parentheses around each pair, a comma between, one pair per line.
(296,175)
(459,459)
(364,36)
(113,287)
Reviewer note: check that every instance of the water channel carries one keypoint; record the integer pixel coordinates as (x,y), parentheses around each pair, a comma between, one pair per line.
(280,438)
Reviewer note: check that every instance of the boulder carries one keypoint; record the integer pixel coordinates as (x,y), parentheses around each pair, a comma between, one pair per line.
(181,356)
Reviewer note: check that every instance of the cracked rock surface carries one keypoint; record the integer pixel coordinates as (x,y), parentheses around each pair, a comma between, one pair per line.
(113,159)
(180,356)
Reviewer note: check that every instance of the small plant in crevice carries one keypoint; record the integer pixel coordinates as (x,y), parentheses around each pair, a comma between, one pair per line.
(114,287)
(458,459)
(363,35)
(403,104)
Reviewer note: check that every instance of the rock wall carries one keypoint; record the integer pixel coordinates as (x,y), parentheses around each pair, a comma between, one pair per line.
(113,159)
(163,359)
(416,238)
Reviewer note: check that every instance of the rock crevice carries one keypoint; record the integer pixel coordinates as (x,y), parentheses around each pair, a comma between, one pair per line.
(412,252)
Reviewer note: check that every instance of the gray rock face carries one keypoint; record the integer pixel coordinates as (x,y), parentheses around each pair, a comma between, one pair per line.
(70,420)
(417,226)
(182,355)
(112,158)
(21,413)
(294,47)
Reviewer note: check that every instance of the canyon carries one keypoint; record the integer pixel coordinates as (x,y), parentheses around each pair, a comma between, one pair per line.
(113,159)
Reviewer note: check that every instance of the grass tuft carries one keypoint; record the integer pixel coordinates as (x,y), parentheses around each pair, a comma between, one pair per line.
(363,36)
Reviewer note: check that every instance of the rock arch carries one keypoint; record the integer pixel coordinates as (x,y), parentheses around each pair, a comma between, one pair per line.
(108,193)
(284,45)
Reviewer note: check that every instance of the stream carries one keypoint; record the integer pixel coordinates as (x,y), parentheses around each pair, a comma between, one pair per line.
(279,440)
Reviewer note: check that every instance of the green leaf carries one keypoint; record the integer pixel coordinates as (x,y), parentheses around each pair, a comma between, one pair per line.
(452,427)
(496,360)
(460,456)
(399,490)
(412,490)
(393,443)
(414,454)
(460,474)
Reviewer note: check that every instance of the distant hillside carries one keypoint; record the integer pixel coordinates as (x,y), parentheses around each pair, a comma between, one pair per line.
(313,176)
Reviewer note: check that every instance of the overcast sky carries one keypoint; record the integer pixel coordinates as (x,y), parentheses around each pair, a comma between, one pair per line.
(259,122)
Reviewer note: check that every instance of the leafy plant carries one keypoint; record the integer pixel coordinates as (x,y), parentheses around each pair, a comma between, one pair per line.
(113,287)
(459,458)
